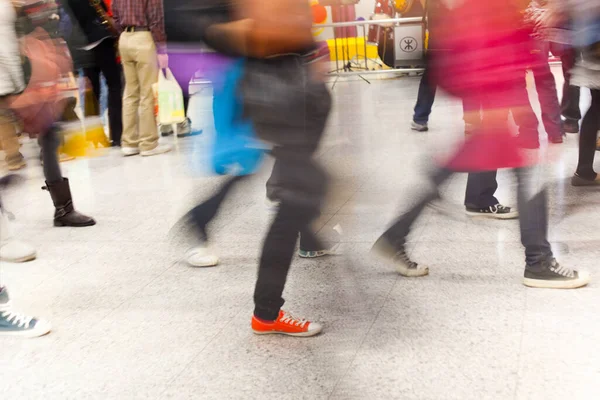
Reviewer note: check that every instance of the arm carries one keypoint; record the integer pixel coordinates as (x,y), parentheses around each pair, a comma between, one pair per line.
(156,22)
(116,17)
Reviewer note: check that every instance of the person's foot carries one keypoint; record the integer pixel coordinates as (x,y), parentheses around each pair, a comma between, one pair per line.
(415,126)
(17,164)
(404,265)
(12,249)
(130,151)
(551,275)
(160,149)
(333,250)
(15,324)
(496,212)
(165,130)
(571,126)
(184,128)
(286,324)
(201,257)
(578,180)
(556,139)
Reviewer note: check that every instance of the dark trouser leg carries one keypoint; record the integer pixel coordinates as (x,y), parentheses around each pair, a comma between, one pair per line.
(106,59)
(49,142)
(309,241)
(546,89)
(278,250)
(533,217)
(587,138)
(481,187)
(93,75)
(397,233)
(425,99)
(524,115)
(204,213)
(570,94)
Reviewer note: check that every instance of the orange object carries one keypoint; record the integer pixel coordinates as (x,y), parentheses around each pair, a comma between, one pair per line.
(319,13)
(285,324)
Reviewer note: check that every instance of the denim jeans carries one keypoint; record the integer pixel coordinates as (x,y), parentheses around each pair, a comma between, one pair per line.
(425,99)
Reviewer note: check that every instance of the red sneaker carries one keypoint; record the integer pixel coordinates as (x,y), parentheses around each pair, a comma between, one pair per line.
(285,324)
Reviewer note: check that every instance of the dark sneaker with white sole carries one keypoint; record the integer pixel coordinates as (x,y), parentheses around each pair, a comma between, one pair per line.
(13,323)
(497,212)
(552,275)
(398,256)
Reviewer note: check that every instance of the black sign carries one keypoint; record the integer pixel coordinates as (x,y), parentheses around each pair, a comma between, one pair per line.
(408,44)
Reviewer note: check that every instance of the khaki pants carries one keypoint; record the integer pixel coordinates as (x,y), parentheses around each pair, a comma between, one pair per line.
(138,55)
(9,142)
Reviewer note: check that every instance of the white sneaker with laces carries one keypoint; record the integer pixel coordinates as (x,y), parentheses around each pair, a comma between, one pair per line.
(201,257)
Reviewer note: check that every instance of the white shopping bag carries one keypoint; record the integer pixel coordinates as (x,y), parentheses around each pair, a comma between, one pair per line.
(170,99)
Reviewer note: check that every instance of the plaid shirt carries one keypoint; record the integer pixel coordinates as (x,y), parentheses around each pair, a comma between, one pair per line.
(142,13)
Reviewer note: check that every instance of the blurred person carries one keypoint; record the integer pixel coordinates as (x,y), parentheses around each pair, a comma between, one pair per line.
(586,73)
(93,32)
(483,62)
(481,187)
(13,250)
(9,75)
(36,104)
(286,99)
(569,103)
(142,48)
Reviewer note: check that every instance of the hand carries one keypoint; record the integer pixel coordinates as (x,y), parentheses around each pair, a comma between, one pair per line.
(163,61)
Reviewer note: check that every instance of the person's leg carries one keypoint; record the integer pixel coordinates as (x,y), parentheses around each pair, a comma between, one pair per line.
(59,188)
(570,94)
(392,243)
(131,97)
(547,94)
(541,269)
(481,187)
(93,75)
(106,58)
(524,115)
(425,99)
(585,173)
(147,69)
(9,141)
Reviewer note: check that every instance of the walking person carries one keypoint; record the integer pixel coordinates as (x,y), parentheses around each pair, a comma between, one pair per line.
(142,43)
(94,33)
(493,37)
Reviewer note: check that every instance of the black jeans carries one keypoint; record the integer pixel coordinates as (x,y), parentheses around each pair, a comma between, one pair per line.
(545,85)
(49,142)
(587,138)
(105,62)
(533,217)
(481,187)
(570,94)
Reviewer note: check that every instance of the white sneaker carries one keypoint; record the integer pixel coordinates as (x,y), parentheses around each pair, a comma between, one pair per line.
(11,249)
(201,257)
(130,151)
(15,324)
(160,149)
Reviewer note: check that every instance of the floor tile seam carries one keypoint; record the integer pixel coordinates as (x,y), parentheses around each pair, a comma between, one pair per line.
(521,346)
(362,342)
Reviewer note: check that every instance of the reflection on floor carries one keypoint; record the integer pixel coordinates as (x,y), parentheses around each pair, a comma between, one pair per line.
(131,321)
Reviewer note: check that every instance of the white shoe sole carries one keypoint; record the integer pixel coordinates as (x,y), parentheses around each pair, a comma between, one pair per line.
(30,257)
(583,280)
(129,153)
(205,264)
(511,215)
(42,328)
(155,152)
(301,334)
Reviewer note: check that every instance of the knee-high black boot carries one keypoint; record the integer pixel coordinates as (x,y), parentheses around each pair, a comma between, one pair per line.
(65,214)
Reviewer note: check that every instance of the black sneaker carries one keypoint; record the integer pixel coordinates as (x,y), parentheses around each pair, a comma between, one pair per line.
(551,275)
(404,265)
(497,212)
(571,125)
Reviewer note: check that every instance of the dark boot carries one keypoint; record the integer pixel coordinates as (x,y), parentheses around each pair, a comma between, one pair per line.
(65,214)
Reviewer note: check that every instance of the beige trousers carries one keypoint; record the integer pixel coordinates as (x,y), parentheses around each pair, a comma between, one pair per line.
(140,66)
(9,142)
